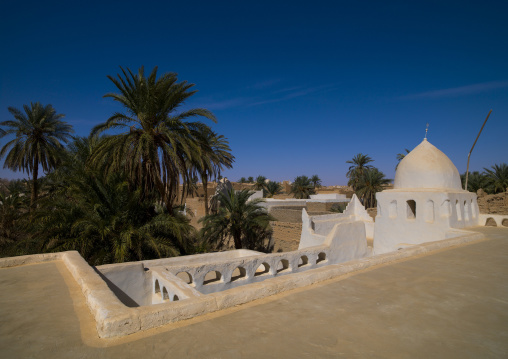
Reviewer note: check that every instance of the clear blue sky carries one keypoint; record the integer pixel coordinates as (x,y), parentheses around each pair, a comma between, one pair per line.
(298,87)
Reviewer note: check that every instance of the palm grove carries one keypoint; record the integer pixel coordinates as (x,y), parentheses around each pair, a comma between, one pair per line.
(115,195)
(118,194)
(366,180)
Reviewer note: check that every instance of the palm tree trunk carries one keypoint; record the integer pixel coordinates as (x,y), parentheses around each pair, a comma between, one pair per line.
(238,240)
(204,179)
(34,185)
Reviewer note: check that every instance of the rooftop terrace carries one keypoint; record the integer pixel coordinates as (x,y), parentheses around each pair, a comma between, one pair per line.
(449,303)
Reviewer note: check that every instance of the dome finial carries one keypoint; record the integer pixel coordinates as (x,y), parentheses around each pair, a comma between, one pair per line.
(426,130)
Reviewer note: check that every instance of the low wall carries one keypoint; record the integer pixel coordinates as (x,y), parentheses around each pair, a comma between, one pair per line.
(320,206)
(287,214)
(501,220)
(114,319)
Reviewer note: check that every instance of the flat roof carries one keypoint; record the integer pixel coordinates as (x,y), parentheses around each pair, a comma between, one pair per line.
(449,303)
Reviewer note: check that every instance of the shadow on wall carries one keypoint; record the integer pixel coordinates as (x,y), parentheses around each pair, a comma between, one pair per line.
(124,298)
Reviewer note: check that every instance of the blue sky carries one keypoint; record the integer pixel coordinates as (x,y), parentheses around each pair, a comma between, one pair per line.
(298,87)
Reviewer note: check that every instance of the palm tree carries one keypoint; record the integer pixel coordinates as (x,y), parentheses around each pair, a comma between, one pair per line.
(260,183)
(11,211)
(245,221)
(497,177)
(242,180)
(371,182)
(103,219)
(39,136)
(156,143)
(400,157)
(359,165)
(302,187)
(476,180)
(272,188)
(214,154)
(250,179)
(192,187)
(316,181)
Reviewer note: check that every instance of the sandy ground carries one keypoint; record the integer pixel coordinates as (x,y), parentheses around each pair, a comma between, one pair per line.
(286,236)
(450,304)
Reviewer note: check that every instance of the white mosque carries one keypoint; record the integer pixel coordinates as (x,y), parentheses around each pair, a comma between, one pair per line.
(426,204)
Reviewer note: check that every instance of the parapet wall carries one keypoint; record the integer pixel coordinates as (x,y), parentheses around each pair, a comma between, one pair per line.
(114,319)
(501,220)
(287,214)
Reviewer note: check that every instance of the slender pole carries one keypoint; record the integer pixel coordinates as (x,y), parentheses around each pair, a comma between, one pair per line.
(469,154)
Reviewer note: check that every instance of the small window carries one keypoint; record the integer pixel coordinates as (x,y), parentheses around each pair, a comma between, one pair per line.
(459,211)
(411,209)
(446,209)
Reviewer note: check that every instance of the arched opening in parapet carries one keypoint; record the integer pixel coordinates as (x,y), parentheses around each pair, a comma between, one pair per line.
(283,265)
(165,295)
(303,261)
(263,268)
(459,210)
(212,277)
(411,209)
(157,287)
(446,208)
(321,257)
(238,273)
(466,211)
(429,211)
(185,276)
(490,222)
(504,223)
(175,298)
(473,209)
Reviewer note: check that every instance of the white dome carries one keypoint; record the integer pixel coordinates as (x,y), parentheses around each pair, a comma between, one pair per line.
(427,167)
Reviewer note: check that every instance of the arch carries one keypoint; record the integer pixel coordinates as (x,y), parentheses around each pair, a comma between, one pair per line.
(211,277)
(165,294)
(411,209)
(466,211)
(238,273)
(283,265)
(473,209)
(392,209)
(379,213)
(490,222)
(429,211)
(459,210)
(303,261)
(504,223)
(185,276)
(157,287)
(321,257)
(446,208)
(263,268)
(175,298)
